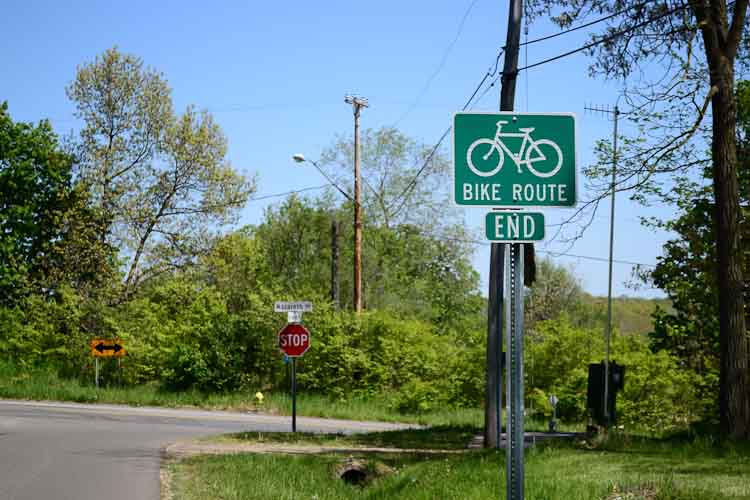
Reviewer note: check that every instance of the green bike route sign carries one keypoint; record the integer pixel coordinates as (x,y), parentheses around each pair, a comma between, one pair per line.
(509,159)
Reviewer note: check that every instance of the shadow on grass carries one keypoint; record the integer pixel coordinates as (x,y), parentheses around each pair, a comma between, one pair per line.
(443,437)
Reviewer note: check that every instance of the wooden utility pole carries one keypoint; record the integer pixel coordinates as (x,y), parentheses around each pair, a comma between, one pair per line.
(357,104)
(335,262)
(493,403)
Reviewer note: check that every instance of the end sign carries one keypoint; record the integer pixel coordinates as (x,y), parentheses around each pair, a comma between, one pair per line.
(514,227)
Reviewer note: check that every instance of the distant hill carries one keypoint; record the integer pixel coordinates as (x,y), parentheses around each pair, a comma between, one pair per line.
(630,315)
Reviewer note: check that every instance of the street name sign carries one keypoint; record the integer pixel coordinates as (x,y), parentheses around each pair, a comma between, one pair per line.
(514,227)
(281,307)
(509,159)
(294,340)
(104,348)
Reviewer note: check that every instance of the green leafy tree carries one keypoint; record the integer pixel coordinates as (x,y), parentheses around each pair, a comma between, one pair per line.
(160,182)
(405,271)
(35,192)
(686,273)
(556,291)
(404,180)
(696,46)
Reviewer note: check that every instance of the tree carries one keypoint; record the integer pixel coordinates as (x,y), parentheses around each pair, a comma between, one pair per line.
(35,191)
(406,272)
(404,181)
(685,270)
(698,80)
(159,181)
(556,291)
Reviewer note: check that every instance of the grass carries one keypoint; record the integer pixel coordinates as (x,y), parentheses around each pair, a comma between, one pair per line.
(450,437)
(43,384)
(623,467)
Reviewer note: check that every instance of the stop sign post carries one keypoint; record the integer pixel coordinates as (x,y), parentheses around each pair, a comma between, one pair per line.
(294,341)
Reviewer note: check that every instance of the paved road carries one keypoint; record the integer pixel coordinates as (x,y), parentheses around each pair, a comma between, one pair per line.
(68,451)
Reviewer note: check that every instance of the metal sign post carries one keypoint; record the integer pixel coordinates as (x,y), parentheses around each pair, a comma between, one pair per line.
(514,378)
(294,394)
(294,341)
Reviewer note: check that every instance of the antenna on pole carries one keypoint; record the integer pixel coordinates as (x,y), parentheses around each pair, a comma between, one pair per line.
(606,110)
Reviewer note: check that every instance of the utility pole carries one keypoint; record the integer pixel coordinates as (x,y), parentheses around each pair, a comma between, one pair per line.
(357,104)
(335,262)
(608,328)
(493,405)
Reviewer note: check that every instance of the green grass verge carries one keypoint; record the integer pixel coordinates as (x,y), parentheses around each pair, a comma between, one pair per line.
(445,437)
(44,384)
(624,468)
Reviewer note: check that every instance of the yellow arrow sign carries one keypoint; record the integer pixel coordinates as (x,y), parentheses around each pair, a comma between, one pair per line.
(106,348)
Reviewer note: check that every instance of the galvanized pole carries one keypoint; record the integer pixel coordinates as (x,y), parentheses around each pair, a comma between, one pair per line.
(335,262)
(96,372)
(294,394)
(514,475)
(607,409)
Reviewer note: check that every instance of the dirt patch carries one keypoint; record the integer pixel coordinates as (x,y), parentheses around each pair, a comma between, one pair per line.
(638,492)
(189,448)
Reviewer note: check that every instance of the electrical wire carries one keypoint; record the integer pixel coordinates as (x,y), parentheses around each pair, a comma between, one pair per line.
(549,252)
(470,240)
(586,25)
(287,193)
(602,40)
(425,164)
(606,39)
(440,66)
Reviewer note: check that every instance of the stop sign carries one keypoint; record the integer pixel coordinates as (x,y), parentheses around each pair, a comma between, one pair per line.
(294,340)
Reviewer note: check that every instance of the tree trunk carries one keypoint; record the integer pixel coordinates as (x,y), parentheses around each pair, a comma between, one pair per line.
(734,386)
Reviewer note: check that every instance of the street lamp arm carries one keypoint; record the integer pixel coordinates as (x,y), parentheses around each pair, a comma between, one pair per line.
(301,159)
(333,183)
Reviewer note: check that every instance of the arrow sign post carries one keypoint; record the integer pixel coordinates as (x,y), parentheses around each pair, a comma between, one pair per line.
(105,348)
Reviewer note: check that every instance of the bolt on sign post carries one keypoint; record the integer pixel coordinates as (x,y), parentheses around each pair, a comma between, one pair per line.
(294,341)
(509,161)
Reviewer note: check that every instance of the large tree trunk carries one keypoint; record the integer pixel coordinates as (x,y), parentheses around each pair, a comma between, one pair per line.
(734,391)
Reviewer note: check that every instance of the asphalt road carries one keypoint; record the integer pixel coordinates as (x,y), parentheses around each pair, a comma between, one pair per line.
(69,451)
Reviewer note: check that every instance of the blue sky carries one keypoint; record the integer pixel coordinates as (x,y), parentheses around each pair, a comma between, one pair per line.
(274,74)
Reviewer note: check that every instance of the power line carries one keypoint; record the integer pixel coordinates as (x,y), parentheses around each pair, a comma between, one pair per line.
(413,182)
(606,39)
(470,240)
(586,25)
(440,66)
(549,252)
(603,40)
(287,193)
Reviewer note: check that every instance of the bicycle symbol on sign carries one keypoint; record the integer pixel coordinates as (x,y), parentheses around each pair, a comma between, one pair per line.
(532,151)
